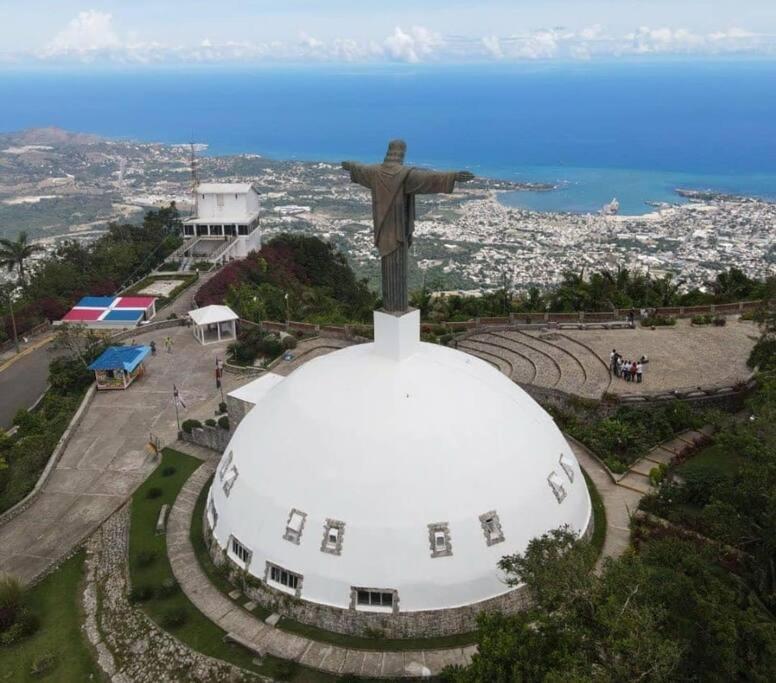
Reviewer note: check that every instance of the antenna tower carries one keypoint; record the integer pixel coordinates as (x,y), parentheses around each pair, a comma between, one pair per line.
(194,166)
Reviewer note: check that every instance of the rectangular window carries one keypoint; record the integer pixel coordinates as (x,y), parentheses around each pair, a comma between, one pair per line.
(242,229)
(216,229)
(439,540)
(188,230)
(374,598)
(240,551)
(229,230)
(333,531)
(283,577)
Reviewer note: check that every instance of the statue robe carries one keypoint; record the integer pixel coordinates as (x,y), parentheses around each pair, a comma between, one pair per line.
(394,187)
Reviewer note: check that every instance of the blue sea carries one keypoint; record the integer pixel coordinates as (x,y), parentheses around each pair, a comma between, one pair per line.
(634,130)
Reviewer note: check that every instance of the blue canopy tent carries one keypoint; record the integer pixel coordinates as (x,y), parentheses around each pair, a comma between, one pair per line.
(118,366)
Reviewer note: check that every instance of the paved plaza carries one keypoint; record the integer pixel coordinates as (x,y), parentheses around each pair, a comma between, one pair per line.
(107,457)
(575,361)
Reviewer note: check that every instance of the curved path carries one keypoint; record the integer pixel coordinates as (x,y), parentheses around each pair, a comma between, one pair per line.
(231,617)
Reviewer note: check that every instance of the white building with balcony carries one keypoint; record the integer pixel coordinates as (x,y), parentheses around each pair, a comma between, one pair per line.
(225,225)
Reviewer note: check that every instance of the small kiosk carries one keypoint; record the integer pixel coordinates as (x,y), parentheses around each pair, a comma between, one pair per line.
(118,366)
(214,324)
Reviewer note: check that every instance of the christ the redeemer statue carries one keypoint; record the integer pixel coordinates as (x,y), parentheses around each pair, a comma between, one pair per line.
(394,187)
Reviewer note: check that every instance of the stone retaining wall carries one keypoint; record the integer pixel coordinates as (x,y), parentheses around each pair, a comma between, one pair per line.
(150,327)
(214,438)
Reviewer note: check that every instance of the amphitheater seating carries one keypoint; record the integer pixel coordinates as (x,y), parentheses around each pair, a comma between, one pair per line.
(542,358)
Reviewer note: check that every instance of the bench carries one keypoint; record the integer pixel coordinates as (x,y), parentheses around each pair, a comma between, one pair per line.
(161,522)
(243,642)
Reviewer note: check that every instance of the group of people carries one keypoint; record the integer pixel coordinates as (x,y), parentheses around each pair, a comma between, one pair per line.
(629,370)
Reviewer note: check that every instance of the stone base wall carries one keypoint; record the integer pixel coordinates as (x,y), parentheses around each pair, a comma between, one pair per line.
(418,624)
(237,410)
(214,438)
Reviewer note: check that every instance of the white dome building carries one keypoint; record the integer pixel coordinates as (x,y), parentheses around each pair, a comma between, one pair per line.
(382,483)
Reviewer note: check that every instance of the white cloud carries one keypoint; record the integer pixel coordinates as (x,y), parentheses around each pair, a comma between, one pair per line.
(413,46)
(492,46)
(92,36)
(90,31)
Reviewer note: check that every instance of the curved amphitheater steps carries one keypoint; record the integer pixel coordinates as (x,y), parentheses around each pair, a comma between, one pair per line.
(543,359)
(518,367)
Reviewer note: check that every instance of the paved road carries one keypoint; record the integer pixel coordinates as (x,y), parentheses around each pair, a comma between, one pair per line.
(22,383)
(106,458)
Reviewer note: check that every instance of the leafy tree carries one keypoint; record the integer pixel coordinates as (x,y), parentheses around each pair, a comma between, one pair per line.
(669,612)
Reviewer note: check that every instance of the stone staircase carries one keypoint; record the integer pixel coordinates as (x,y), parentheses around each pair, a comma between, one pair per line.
(637,477)
(542,358)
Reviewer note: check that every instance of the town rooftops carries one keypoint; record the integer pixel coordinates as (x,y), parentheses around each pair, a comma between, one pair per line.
(120,358)
(225,188)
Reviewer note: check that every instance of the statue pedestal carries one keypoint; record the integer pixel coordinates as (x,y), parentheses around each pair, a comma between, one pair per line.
(397,335)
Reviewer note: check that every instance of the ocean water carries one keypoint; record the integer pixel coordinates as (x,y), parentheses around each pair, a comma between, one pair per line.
(634,130)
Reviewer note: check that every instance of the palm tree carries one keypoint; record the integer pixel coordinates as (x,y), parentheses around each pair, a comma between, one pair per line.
(13,254)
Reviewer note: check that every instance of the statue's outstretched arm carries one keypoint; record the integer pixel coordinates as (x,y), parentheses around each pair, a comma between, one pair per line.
(359,173)
(433,182)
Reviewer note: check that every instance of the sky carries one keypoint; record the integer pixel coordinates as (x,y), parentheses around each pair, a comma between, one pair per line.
(86,33)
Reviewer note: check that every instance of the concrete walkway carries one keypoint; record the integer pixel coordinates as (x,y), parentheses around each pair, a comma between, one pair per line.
(620,502)
(107,458)
(232,618)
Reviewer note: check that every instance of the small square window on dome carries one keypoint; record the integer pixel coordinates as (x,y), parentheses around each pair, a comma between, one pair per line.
(212,513)
(439,539)
(225,464)
(295,525)
(491,527)
(568,468)
(333,532)
(556,484)
(229,479)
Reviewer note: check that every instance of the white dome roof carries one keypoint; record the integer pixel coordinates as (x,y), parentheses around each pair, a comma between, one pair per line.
(389,446)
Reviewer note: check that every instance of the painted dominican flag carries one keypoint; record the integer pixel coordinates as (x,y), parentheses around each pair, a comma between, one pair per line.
(112,309)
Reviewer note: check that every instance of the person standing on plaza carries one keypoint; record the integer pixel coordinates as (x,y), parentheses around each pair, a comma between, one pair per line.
(639,372)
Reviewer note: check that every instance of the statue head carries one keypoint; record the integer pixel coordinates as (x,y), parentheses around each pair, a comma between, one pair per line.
(396,151)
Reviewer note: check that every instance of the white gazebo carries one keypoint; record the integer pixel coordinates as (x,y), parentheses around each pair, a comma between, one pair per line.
(214,324)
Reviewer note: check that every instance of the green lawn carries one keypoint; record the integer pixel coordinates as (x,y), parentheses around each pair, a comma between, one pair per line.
(56,602)
(713,459)
(186,281)
(599,515)
(197,631)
